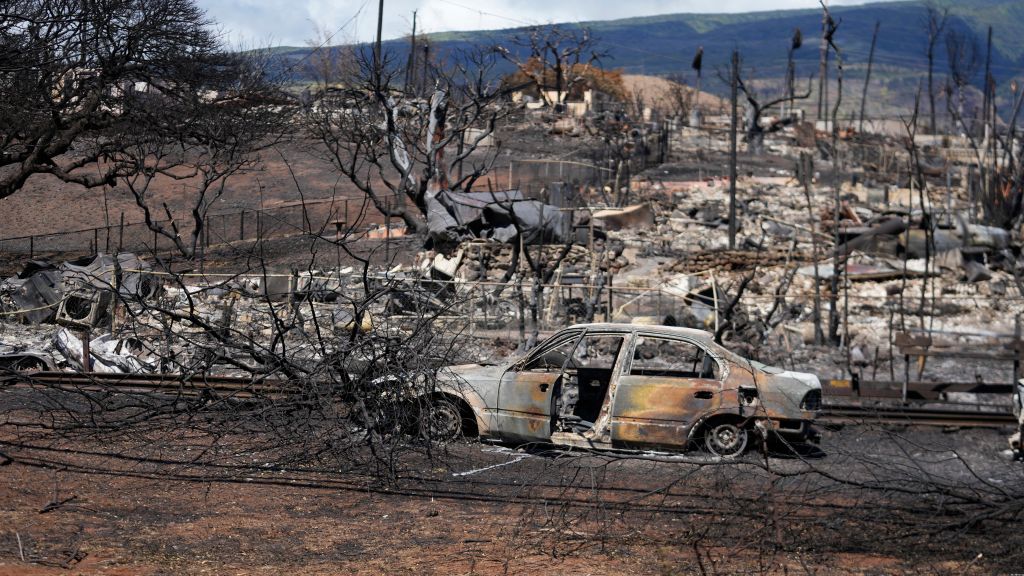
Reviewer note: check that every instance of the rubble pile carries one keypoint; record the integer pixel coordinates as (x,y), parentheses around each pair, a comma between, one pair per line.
(733,260)
(858,236)
(110,315)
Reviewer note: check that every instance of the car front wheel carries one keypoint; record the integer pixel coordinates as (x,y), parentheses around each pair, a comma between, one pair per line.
(441,421)
(726,439)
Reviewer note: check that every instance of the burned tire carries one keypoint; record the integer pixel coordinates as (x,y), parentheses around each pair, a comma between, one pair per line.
(441,421)
(726,439)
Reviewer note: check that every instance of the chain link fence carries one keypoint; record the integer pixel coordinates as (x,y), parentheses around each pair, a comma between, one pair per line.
(319,216)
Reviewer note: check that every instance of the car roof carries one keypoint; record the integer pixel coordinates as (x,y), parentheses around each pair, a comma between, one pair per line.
(652,329)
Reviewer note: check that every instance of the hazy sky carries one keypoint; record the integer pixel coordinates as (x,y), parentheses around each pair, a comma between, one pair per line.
(292,22)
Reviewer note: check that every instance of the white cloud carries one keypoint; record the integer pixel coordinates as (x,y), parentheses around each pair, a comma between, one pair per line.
(292,22)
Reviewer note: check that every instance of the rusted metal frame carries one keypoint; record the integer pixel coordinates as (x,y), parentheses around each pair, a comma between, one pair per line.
(855,414)
(238,387)
(924,347)
(918,390)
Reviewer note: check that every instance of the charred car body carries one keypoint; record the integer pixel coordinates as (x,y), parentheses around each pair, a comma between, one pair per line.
(622,386)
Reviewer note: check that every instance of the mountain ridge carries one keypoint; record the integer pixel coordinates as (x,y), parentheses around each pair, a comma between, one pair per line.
(664,45)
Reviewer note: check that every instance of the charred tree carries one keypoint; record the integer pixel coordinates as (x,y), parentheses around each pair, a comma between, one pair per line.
(402,151)
(554,59)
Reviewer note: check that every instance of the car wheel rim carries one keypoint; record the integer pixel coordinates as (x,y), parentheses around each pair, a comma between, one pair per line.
(444,422)
(727,440)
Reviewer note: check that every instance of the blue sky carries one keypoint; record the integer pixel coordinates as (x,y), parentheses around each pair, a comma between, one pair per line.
(254,23)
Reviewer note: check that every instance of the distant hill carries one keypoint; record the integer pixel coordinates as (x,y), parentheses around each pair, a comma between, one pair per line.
(663,45)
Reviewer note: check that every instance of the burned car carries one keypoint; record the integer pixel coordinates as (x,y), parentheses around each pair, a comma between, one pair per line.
(624,386)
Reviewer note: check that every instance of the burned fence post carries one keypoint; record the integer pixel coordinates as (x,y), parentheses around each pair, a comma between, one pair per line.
(608,312)
(120,234)
(31,247)
(387,230)
(86,353)
(241,225)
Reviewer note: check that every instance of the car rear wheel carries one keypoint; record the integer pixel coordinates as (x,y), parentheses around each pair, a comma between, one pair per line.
(726,439)
(441,421)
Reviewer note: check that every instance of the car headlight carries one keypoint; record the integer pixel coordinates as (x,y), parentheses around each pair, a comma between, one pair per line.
(811,401)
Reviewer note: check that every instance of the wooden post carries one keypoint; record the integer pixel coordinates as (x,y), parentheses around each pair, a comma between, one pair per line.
(31,247)
(732,149)
(120,234)
(608,313)
(1016,342)
(96,239)
(86,353)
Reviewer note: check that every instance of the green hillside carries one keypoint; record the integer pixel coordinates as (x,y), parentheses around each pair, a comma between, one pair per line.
(665,44)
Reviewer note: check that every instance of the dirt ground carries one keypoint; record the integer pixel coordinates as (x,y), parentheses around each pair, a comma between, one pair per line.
(137,508)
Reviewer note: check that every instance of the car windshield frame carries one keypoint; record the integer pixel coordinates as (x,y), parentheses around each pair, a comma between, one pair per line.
(523,360)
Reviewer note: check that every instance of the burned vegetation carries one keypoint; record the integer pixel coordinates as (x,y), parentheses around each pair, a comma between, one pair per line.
(500,310)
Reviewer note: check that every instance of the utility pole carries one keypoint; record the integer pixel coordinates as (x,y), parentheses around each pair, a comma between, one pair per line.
(410,67)
(823,63)
(426,67)
(732,149)
(377,73)
(988,80)
(867,77)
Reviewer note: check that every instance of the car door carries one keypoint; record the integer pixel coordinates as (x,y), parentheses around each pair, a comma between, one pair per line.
(668,385)
(525,391)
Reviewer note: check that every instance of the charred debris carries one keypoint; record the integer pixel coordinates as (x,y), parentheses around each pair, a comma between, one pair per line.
(861,256)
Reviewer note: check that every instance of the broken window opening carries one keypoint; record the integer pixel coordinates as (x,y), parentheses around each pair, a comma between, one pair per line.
(660,357)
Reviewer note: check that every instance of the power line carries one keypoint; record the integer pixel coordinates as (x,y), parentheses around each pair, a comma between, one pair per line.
(881,58)
(323,44)
(577,24)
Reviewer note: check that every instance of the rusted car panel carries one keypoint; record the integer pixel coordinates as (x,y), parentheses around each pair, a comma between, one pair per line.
(623,385)
(660,411)
(473,384)
(524,405)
